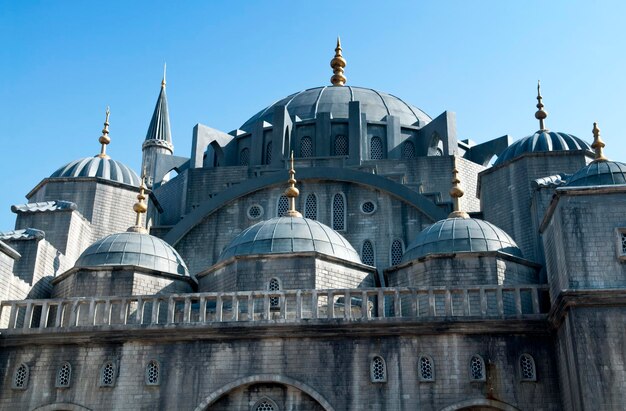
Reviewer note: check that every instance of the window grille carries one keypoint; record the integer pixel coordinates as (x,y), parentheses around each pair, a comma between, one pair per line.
(396,252)
(477,368)
(153,373)
(107,375)
(265,405)
(623,238)
(268,153)
(408,150)
(376,148)
(283,206)
(438,152)
(426,369)
(244,157)
(527,368)
(274,285)
(64,376)
(378,370)
(306,147)
(339,212)
(368,207)
(341,145)
(20,377)
(255,211)
(367,253)
(310,207)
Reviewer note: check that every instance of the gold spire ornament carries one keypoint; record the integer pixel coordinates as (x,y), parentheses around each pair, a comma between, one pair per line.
(541,114)
(456,193)
(598,144)
(338,63)
(163,82)
(104,138)
(140,207)
(292,192)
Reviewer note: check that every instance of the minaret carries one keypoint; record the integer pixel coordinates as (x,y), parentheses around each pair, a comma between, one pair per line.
(541,114)
(158,139)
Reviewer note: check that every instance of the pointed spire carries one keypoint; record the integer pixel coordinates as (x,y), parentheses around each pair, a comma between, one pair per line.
(338,63)
(292,192)
(598,144)
(159,129)
(456,193)
(140,207)
(541,114)
(163,82)
(104,138)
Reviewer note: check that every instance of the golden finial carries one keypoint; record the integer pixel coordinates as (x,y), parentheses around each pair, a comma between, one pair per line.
(456,192)
(292,192)
(104,138)
(140,207)
(338,63)
(598,144)
(541,114)
(164,71)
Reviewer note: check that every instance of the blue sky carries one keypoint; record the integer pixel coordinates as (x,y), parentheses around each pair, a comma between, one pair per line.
(63,62)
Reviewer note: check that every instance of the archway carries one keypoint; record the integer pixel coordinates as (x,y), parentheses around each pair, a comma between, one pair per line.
(480,404)
(62,406)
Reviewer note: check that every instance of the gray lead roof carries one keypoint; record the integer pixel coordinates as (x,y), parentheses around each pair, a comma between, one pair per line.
(542,141)
(159,128)
(599,173)
(99,167)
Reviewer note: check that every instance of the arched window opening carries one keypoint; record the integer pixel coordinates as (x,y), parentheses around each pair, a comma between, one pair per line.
(20,377)
(244,157)
(306,147)
(376,148)
(477,368)
(274,285)
(107,374)
(339,212)
(408,150)
(397,249)
(268,153)
(64,376)
(341,145)
(367,253)
(153,373)
(283,206)
(528,372)
(265,404)
(169,176)
(378,370)
(310,207)
(426,369)
(436,145)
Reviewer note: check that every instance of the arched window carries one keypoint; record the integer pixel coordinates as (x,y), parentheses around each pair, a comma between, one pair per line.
(268,153)
(264,404)
(376,148)
(310,207)
(527,369)
(274,285)
(282,206)
(436,145)
(339,212)
(341,145)
(153,373)
(477,368)
(244,157)
(306,147)
(107,374)
(367,253)
(20,377)
(64,376)
(397,249)
(408,150)
(426,367)
(378,370)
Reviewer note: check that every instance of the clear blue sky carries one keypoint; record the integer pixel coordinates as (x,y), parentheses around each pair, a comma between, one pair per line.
(63,62)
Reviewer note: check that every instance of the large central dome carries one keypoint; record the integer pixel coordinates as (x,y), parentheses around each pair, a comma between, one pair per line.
(375,104)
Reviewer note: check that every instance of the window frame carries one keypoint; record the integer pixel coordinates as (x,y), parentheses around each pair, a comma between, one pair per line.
(419,368)
(483,369)
(620,233)
(367,240)
(101,382)
(402,250)
(265,399)
(24,386)
(345,212)
(521,371)
(373,378)
(159,371)
(306,206)
(57,380)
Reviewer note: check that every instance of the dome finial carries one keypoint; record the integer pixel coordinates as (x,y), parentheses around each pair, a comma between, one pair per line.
(456,192)
(338,63)
(140,207)
(163,82)
(541,114)
(598,144)
(104,138)
(292,192)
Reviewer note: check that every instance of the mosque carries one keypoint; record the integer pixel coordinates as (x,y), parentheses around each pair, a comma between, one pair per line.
(340,250)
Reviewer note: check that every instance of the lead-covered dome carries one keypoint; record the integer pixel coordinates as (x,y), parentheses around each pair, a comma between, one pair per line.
(599,173)
(290,235)
(375,104)
(104,168)
(135,249)
(460,235)
(542,141)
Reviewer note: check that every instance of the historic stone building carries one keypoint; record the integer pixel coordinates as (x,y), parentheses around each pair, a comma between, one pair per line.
(341,250)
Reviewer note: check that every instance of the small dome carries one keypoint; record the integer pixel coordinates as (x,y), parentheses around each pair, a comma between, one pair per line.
(599,173)
(289,235)
(460,235)
(130,248)
(99,167)
(542,141)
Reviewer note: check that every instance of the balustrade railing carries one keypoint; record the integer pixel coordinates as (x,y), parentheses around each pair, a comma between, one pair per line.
(369,304)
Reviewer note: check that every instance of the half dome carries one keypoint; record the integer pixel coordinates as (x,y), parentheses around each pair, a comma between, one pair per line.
(599,173)
(104,168)
(281,235)
(460,235)
(135,249)
(542,141)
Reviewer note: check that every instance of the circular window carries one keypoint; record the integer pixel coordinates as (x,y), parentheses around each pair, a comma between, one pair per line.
(255,211)
(368,207)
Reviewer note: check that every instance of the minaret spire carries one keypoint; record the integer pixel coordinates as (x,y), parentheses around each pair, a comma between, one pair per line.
(598,144)
(292,192)
(338,63)
(163,82)
(456,193)
(541,114)
(140,207)
(104,138)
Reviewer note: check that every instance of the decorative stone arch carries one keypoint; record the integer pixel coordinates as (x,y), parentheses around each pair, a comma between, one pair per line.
(480,402)
(264,378)
(62,406)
